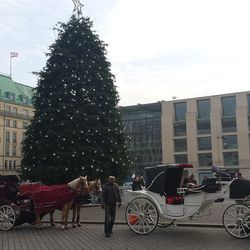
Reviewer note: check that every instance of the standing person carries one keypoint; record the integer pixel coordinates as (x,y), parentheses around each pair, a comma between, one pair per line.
(109,198)
(136,184)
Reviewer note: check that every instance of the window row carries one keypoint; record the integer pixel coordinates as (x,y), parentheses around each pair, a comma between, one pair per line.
(7,150)
(228,119)
(13,111)
(205,143)
(14,137)
(206,160)
(13,124)
(228,106)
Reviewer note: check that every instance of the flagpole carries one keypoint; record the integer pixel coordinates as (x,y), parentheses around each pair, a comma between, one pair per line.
(10,65)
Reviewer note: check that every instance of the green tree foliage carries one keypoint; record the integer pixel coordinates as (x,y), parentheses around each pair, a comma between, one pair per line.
(77,128)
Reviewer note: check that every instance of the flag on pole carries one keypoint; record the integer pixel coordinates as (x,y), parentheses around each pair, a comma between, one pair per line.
(13,54)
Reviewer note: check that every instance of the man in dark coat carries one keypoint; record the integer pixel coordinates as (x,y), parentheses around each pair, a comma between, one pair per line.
(109,198)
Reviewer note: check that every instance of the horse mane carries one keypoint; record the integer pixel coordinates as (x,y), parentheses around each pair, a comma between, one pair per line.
(95,185)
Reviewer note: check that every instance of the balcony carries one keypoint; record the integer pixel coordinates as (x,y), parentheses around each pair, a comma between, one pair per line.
(15,115)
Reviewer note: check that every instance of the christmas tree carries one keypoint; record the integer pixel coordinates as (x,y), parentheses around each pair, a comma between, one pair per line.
(77,128)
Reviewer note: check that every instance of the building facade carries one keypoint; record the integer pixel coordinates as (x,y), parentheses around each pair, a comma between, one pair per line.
(16,111)
(143,125)
(206,131)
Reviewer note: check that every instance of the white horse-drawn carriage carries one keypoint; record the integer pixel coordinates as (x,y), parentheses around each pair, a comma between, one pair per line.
(164,202)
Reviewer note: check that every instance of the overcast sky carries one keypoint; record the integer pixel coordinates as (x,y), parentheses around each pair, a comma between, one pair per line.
(158,48)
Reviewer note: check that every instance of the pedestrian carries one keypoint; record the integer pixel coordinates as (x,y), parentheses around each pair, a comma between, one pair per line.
(239,176)
(136,184)
(109,198)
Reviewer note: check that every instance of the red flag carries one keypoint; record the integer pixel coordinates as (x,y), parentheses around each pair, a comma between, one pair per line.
(13,54)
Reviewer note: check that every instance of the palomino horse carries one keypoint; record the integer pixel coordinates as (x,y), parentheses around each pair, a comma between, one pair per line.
(49,198)
(95,188)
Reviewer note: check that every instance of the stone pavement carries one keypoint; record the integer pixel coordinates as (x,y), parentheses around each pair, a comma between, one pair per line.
(200,233)
(91,236)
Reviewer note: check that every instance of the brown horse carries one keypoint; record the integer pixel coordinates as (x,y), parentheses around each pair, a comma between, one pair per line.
(49,198)
(95,188)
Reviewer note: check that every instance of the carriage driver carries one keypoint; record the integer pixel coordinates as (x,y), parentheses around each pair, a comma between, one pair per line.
(110,196)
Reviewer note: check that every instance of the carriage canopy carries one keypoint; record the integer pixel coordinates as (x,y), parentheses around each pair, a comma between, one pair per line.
(165,178)
(239,189)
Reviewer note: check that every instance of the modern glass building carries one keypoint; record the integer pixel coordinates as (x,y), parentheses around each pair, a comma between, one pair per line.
(143,125)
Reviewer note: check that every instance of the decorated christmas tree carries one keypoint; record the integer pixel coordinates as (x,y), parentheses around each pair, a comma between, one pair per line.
(77,128)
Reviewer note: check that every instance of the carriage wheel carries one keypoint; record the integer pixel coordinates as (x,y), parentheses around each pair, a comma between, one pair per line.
(141,215)
(236,220)
(7,217)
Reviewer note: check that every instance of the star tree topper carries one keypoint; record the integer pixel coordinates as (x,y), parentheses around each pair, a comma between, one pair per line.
(77,7)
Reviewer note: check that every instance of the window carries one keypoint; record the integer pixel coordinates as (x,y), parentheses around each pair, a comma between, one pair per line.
(231,158)
(10,164)
(7,150)
(7,110)
(7,136)
(229,124)
(204,143)
(25,124)
(14,164)
(203,126)
(5,164)
(25,113)
(7,123)
(230,142)
(205,159)
(180,111)
(11,97)
(180,145)
(180,128)
(14,111)
(248,101)
(203,107)
(14,124)
(181,158)
(228,106)
(14,151)
(14,137)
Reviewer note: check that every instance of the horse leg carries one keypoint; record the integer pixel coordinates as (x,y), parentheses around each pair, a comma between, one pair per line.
(74,213)
(63,217)
(68,206)
(78,214)
(52,223)
(38,220)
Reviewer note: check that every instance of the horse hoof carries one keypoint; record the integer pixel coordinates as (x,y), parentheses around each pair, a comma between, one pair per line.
(62,227)
(73,225)
(53,225)
(79,225)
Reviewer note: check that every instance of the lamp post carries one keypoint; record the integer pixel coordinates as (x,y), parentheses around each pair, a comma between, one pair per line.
(219,145)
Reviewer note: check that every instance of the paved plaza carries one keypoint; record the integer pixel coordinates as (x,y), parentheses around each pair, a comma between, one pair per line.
(91,236)
(201,233)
